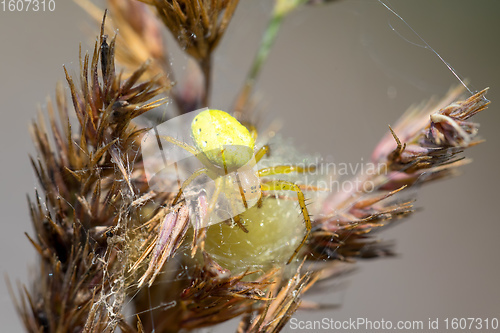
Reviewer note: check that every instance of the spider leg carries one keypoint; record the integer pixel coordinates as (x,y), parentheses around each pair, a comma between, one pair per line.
(213,200)
(188,181)
(282,185)
(236,217)
(219,184)
(181,144)
(205,210)
(190,149)
(261,152)
(283,169)
(237,220)
(242,192)
(199,233)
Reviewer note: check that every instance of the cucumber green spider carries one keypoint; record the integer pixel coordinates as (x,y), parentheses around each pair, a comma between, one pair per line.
(224,146)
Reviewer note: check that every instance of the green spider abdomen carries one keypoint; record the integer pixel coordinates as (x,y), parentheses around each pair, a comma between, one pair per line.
(223,140)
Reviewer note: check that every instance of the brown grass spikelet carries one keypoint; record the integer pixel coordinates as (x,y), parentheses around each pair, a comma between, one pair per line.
(85,177)
(198,25)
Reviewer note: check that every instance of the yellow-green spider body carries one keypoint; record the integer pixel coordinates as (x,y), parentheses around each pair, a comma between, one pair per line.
(226,148)
(223,140)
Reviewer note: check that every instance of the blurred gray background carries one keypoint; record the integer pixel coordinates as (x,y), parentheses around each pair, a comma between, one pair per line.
(337,76)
